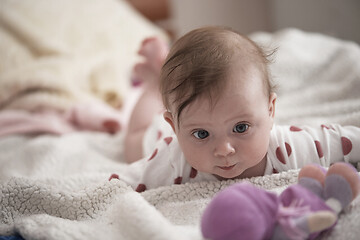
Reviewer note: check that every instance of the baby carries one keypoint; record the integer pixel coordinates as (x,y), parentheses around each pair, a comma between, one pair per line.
(220,106)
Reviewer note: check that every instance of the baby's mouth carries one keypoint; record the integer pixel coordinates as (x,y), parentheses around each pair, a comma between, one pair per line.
(227,168)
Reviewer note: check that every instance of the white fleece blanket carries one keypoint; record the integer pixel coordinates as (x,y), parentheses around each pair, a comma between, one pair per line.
(57,187)
(56,54)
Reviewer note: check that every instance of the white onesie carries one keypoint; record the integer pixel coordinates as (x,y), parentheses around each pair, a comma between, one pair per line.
(290,147)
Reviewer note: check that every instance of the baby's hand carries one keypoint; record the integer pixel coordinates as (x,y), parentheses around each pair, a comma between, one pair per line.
(154,51)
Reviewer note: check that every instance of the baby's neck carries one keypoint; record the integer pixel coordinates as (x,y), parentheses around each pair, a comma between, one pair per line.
(255,171)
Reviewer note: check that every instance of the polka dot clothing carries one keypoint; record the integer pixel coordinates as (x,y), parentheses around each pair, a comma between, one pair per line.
(291,147)
(166,165)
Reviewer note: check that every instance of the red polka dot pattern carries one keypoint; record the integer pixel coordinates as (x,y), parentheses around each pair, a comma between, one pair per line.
(111,126)
(153,155)
(319,149)
(140,188)
(168,140)
(279,154)
(114,175)
(193,173)
(159,135)
(295,129)
(329,128)
(346,145)
(288,149)
(178,180)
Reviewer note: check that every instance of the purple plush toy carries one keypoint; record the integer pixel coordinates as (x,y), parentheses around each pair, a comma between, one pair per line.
(302,211)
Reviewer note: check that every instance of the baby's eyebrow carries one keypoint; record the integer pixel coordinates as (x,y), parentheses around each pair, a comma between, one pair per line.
(242,116)
(196,125)
(238,117)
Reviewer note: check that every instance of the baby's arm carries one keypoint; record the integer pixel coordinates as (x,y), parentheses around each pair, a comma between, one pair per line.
(343,143)
(292,147)
(154,170)
(154,51)
(148,105)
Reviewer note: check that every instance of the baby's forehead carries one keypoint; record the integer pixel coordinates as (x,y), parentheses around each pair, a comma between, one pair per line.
(204,111)
(200,70)
(238,82)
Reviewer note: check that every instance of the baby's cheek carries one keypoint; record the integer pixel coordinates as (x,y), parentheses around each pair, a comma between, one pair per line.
(258,147)
(198,159)
(197,155)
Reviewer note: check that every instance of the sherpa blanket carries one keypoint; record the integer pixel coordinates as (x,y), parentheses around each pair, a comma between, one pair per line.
(57,54)
(57,187)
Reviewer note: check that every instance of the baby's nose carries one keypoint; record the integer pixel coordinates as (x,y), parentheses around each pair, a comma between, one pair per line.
(224,149)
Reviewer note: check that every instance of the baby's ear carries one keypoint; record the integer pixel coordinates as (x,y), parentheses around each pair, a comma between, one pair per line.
(169,118)
(272,101)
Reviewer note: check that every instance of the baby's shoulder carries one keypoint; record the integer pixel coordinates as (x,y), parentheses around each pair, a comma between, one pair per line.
(292,133)
(296,129)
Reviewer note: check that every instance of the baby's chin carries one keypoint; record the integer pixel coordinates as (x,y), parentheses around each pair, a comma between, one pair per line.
(228,177)
(248,173)
(236,171)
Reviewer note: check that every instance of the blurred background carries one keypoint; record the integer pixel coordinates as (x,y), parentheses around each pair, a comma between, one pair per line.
(338,18)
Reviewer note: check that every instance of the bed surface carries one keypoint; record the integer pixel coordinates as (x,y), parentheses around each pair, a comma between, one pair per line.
(56,187)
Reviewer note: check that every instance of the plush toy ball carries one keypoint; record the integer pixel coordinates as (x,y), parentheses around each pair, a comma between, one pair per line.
(241,211)
(313,171)
(349,173)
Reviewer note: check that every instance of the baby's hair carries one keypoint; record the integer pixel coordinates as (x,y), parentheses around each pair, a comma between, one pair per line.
(198,63)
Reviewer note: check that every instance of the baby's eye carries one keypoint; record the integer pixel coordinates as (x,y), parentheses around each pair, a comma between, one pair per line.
(201,134)
(241,128)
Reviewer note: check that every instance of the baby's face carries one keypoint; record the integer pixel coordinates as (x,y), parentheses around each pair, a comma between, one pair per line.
(231,138)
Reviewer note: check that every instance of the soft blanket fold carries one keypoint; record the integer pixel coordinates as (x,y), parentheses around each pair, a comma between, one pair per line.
(55,54)
(111,210)
(32,204)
